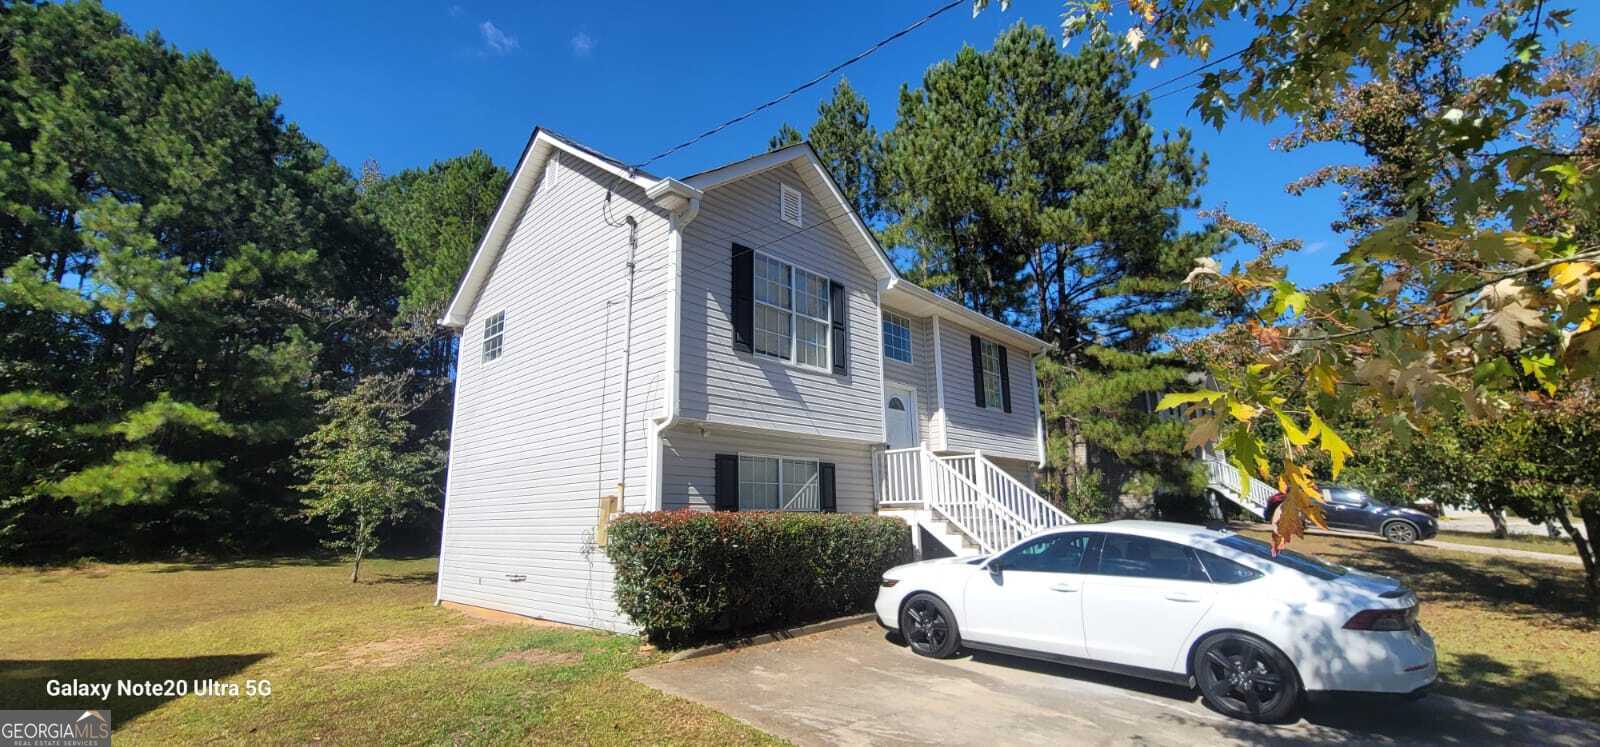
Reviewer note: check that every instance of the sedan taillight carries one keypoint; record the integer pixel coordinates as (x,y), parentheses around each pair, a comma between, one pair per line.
(1389,619)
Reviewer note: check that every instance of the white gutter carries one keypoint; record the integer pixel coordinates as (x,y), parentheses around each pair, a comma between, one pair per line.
(684,203)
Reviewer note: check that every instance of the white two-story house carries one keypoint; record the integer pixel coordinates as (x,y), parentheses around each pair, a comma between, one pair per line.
(733,340)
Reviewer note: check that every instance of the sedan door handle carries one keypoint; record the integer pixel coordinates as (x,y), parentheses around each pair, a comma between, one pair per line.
(1179,596)
(1064,587)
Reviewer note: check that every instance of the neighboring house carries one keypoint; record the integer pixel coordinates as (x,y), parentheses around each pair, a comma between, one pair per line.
(732,340)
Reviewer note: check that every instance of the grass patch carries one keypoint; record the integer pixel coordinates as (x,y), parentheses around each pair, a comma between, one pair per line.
(364,664)
(1509,631)
(1534,543)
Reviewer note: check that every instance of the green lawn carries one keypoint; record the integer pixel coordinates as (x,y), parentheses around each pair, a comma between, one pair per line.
(1509,631)
(364,664)
(1535,543)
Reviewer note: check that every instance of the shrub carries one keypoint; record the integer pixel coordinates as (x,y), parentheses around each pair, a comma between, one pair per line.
(681,575)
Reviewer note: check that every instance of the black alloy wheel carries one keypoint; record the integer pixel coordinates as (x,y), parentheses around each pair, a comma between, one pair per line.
(929,627)
(1244,677)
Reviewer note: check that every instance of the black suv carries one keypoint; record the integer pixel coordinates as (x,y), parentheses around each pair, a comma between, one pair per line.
(1351,508)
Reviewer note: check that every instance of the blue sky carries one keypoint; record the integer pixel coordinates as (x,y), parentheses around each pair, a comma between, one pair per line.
(409,82)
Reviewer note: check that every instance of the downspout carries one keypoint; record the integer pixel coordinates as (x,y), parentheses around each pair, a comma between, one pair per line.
(627,361)
(673,362)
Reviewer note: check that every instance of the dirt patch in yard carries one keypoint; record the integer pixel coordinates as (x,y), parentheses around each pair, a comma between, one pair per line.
(393,652)
(537,657)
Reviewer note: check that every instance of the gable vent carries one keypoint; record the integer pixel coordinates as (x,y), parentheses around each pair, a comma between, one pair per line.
(791,207)
(552,172)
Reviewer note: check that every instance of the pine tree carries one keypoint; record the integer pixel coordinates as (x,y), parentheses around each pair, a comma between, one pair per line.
(1031,187)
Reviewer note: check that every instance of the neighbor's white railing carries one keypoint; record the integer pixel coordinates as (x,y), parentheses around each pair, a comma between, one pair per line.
(1224,478)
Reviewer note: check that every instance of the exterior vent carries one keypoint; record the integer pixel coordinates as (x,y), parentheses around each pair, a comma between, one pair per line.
(552,172)
(791,206)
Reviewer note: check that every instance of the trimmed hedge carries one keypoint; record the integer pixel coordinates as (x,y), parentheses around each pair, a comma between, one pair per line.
(683,575)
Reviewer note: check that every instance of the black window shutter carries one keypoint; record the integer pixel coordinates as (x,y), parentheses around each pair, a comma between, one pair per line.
(830,499)
(744,301)
(977,369)
(727,482)
(1005,381)
(841,329)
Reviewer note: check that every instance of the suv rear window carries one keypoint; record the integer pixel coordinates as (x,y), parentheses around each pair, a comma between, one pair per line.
(1286,558)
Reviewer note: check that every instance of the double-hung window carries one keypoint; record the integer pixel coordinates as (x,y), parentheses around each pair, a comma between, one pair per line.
(494,336)
(793,313)
(992,395)
(768,483)
(896,337)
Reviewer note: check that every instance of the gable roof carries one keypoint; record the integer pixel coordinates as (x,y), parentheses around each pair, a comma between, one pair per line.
(670,193)
(804,157)
(542,145)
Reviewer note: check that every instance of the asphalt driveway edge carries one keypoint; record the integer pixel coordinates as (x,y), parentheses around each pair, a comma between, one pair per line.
(782,634)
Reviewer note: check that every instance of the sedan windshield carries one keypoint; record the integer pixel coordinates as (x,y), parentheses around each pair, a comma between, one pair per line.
(1288,558)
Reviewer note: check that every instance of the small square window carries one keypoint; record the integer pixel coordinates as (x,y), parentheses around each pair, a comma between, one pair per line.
(494,334)
(897,337)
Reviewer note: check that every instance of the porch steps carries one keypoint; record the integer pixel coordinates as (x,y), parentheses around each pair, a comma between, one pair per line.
(1223,480)
(964,502)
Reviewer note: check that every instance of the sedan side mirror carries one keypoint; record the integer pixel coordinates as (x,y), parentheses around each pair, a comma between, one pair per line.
(996,568)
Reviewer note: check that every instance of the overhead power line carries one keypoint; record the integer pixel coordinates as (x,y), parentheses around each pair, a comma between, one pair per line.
(824,75)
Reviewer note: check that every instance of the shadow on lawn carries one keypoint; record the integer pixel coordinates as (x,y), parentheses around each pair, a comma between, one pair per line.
(1483,678)
(23,681)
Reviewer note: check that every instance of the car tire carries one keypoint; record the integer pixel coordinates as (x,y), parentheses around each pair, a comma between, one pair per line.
(1245,677)
(1401,532)
(929,627)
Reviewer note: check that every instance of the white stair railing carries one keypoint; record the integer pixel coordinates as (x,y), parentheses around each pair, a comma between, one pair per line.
(960,501)
(1017,497)
(1224,479)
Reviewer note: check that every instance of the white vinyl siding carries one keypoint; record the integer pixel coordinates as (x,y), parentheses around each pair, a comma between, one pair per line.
(537,443)
(896,337)
(968,427)
(722,385)
(494,336)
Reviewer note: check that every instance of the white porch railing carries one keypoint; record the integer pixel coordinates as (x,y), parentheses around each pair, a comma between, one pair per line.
(985,510)
(900,477)
(1224,479)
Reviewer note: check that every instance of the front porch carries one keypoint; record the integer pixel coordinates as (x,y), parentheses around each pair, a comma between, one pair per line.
(965,502)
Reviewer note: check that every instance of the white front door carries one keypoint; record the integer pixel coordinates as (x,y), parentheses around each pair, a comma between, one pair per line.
(900,415)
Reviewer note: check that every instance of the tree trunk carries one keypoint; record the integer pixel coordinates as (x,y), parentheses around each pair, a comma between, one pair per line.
(1498,518)
(1586,548)
(361,546)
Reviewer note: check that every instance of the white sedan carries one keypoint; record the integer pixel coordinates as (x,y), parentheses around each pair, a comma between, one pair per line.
(1173,602)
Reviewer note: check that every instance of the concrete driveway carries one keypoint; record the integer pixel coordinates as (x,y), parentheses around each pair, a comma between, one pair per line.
(855,686)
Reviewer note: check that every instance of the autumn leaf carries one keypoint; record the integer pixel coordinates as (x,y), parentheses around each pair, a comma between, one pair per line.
(1329,441)
(1241,411)
(1571,279)
(1290,430)
(1202,431)
(1301,501)
(1322,375)
(1174,399)
(1509,320)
